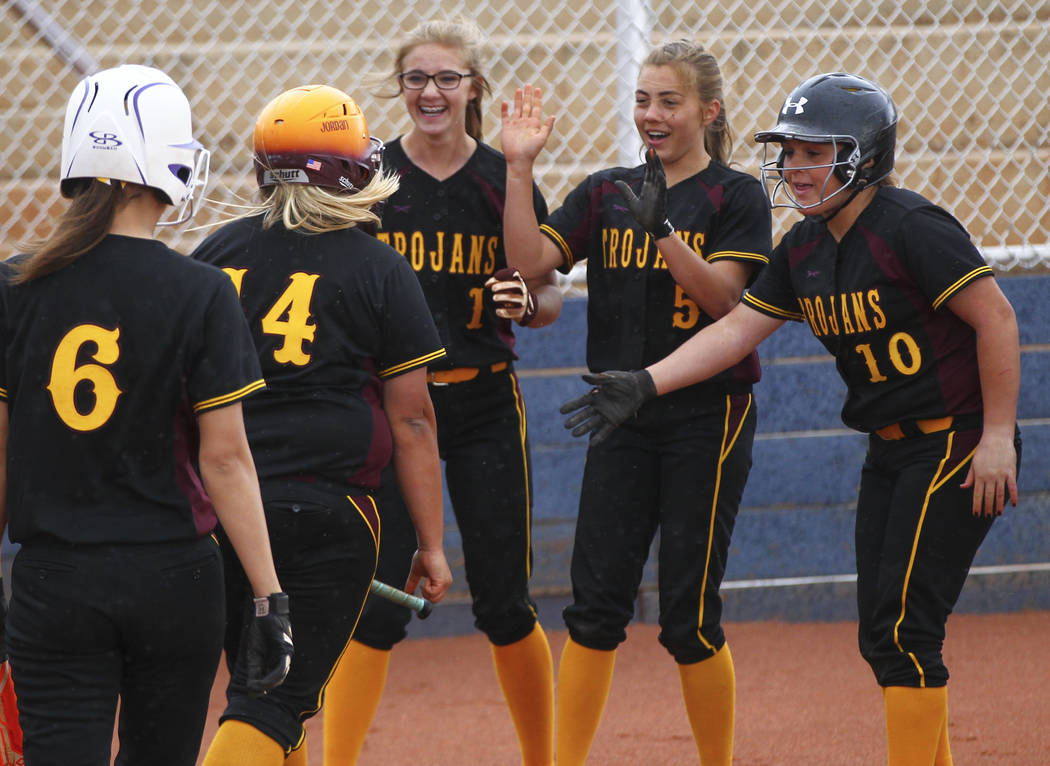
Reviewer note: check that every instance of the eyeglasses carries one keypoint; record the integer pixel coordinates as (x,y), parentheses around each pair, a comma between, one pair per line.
(446,79)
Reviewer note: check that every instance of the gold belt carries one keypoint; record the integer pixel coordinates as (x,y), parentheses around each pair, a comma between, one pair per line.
(462,374)
(914,428)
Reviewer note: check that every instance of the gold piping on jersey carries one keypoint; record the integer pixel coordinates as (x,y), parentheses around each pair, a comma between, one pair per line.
(376,536)
(412,363)
(519,405)
(561,243)
(935,483)
(3,393)
(736,254)
(980,271)
(768,308)
(218,401)
(728,442)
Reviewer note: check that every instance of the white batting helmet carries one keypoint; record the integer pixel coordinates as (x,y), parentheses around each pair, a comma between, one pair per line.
(132,123)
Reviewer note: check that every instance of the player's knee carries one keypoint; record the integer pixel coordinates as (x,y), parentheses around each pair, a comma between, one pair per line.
(690,652)
(595,632)
(908,669)
(382,625)
(274,719)
(506,627)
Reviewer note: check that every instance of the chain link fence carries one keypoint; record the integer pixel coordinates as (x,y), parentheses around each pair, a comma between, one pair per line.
(970,78)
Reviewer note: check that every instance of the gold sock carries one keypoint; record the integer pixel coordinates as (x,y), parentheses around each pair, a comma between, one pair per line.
(238,743)
(709,691)
(914,722)
(297,757)
(350,701)
(525,672)
(944,750)
(584,677)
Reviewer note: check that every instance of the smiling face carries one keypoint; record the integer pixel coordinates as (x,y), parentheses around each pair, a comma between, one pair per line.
(433,110)
(809,174)
(670,117)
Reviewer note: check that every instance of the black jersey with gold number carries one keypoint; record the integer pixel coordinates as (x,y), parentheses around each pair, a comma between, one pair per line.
(636,312)
(332,315)
(105,364)
(876,300)
(451,232)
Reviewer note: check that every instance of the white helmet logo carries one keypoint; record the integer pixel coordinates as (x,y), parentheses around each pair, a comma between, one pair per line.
(797,105)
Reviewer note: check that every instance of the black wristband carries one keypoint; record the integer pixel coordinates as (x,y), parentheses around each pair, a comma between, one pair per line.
(663,230)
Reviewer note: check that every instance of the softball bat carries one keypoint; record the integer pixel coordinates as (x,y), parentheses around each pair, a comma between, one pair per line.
(419,605)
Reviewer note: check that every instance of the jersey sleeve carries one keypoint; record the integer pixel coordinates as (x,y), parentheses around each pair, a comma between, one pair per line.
(569,226)
(772,293)
(744,228)
(409,335)
(226,366)
(939,254)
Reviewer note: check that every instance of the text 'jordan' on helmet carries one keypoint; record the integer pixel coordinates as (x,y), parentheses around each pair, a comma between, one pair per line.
(316,135)
(132,123)
(846,110)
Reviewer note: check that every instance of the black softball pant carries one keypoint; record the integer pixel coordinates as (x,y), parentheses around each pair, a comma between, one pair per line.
(482,439)
(92,623)
(384,623)
(685,476)
(324,549)
(916,537)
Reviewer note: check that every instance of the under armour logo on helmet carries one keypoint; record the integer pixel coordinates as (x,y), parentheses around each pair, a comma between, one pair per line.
(796,104)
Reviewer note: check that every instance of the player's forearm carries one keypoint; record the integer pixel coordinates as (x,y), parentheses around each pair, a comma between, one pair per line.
(715,348)
(522,240)
(714,287)
(419,477)
(233,487)
(548,298)
(999,366)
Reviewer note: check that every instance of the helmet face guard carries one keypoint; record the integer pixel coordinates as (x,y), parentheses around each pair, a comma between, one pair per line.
(198,180)
(132,123)
(315,135)
(854,115)
(843,167)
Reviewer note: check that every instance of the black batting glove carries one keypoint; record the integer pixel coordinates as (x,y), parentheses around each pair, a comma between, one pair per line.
(650,208)
(616,396)
(268,644)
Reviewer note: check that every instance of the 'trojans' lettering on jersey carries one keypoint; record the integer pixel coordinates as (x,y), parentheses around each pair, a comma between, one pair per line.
(437,251)
(843,314)
(619,251)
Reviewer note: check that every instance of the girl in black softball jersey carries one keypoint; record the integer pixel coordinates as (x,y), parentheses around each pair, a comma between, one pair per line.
(343,336)
(445,219)
(927,345)
(654,279)
(122,369)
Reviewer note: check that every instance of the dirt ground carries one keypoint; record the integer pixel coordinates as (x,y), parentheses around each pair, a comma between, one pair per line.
(804,698)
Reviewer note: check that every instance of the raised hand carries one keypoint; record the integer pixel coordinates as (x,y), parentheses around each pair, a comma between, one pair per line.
(650,207)
(525,130)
